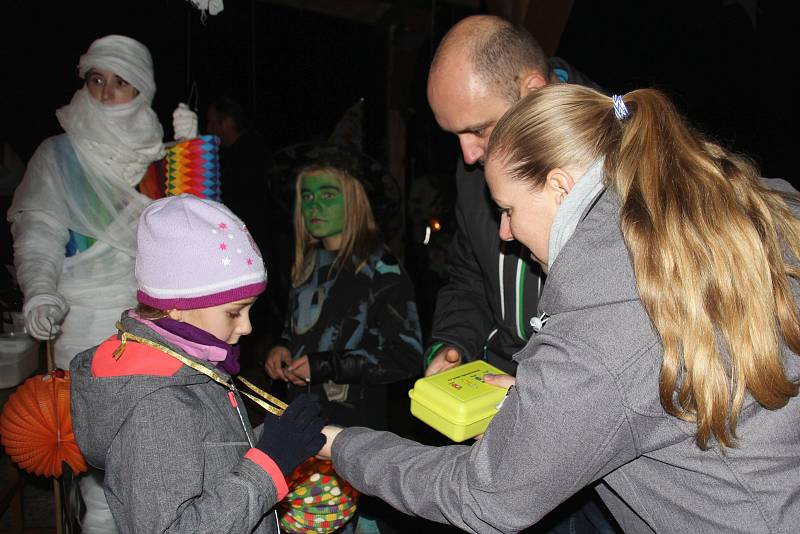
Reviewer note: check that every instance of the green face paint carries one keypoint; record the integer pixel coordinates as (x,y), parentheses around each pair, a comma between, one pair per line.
(322,204)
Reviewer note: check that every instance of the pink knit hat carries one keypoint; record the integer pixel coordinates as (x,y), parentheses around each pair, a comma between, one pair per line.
(195,253)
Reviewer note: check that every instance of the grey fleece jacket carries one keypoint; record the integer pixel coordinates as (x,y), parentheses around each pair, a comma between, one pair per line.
(586,408)
(172,448)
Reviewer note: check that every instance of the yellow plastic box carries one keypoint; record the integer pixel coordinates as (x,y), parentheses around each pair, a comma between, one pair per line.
(457,402)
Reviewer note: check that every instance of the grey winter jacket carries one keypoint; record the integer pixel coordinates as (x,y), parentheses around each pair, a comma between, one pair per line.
(586,408)
(172,448)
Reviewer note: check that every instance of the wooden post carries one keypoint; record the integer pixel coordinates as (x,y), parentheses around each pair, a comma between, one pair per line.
(51,366)
(59,511)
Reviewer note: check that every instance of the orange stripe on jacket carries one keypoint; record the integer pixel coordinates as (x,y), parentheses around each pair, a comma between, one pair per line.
(136,359)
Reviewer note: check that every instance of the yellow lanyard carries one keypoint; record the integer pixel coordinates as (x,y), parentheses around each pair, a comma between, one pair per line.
(210,373)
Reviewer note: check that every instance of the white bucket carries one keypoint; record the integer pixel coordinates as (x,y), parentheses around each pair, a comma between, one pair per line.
(19,358)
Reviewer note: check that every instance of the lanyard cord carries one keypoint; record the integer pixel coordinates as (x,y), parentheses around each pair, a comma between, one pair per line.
(263,401)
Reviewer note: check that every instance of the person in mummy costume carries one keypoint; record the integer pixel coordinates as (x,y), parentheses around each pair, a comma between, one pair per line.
(74,215)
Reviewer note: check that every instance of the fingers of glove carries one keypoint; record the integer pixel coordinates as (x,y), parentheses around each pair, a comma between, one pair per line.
(298,419)
(43,321)
(43,332)
(316,444)
(33,328)
(182,111)
(307,422)
(185,132)
(303,409)
(312,445)
(314,428)
(302,402)
(53,313)
(184,122)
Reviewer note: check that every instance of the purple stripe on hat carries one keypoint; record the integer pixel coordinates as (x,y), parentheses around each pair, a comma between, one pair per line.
(205,301)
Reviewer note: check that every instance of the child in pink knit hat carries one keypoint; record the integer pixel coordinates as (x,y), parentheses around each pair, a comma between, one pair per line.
(155,405)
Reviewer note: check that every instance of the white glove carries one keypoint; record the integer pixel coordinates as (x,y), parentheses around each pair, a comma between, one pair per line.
(184,122)
(44,322)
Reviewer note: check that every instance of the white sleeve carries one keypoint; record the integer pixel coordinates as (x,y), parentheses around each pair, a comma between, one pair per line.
(39,248)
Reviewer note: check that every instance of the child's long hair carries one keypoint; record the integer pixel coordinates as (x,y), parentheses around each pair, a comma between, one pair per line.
(360,236)
(705,239)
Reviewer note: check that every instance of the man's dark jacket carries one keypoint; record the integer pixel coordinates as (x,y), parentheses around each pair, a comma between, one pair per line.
(493,290)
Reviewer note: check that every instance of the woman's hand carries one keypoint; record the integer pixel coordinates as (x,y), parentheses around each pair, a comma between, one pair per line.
(330,432)
(278,358)
(501,381)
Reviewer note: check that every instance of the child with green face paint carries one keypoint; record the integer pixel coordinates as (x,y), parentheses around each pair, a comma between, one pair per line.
(352,325)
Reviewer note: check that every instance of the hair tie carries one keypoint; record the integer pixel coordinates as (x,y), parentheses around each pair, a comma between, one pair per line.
(620,110)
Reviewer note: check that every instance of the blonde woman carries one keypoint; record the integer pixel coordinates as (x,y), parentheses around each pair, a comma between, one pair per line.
(665,365)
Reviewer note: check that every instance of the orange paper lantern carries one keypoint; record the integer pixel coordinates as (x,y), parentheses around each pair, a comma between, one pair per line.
(36,426)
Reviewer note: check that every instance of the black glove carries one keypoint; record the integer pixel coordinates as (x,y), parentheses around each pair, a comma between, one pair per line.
(294,436)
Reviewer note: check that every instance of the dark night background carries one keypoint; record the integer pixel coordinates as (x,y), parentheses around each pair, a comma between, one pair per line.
(296,66)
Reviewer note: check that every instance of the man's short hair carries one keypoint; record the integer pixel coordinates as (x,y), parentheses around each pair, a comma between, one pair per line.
(228,107)
(501,55)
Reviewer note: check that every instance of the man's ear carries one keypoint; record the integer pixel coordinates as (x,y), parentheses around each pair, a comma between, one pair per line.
(177,315)
(560,183)
(531,81)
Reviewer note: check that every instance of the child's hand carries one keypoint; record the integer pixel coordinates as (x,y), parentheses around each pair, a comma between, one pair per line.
(299,372)
(294,436)
(330,432)
(277,358)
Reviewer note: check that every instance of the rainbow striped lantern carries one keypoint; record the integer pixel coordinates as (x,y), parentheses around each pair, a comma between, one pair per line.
(192,166)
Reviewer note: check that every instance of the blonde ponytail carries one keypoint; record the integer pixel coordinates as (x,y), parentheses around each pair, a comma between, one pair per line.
(705,239)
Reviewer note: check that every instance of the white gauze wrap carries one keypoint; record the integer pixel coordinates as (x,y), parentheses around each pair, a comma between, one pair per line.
(125,57)
(117,141)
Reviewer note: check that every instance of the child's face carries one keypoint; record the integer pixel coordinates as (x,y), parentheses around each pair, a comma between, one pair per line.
(227,322)
(322,204)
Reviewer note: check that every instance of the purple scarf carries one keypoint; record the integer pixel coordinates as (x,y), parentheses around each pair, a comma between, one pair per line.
(191,333)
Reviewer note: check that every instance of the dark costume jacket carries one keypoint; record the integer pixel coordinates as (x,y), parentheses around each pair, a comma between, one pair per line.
(360,330)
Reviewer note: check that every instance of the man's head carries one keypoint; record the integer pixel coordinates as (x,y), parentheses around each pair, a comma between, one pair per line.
(482,67)
(226,120)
